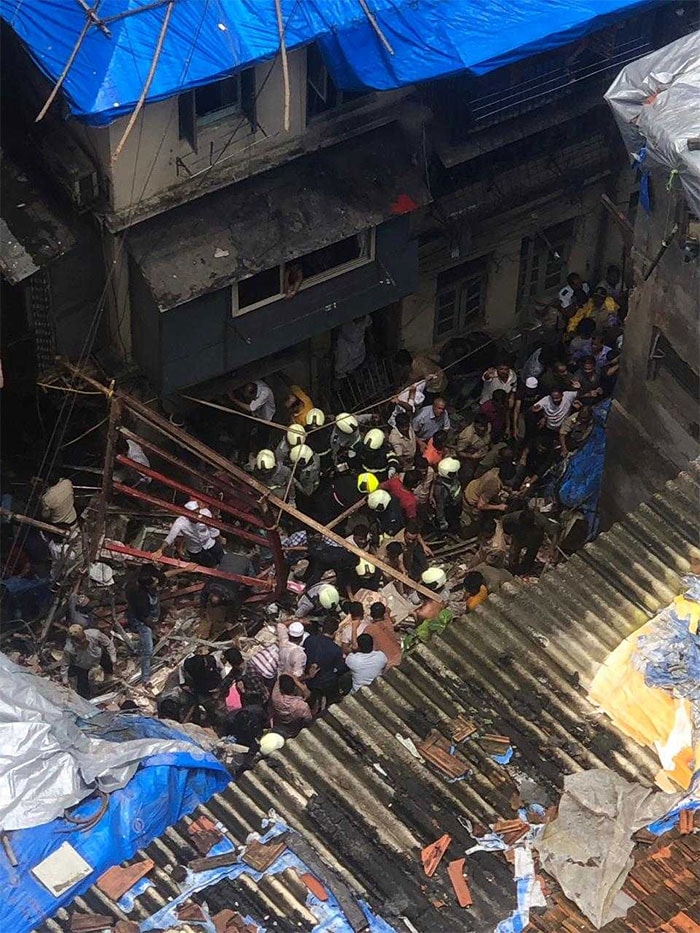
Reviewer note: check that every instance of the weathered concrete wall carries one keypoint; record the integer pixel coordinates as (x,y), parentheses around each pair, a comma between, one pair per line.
(650,429)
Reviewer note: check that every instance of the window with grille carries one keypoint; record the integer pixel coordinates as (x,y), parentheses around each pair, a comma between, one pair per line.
(460,299)
(544,263)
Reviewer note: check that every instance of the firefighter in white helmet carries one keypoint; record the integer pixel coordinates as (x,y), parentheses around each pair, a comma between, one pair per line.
(318,438)
(293,437)
(364,576)
(378,455)
(447,493)
(345,437)
(306,467)
(274,475)
(387,513)
(435,579)
(319,598)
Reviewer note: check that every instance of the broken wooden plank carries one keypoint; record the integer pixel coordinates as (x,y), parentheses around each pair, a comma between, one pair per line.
(260,855)
(314,885)
(686,823)
(231,921)
(213,861)
(431,856)
(510,830)
(205,840)
(190,912)
(455,872)
(116,881)
(461,728)
(494,744)
(90,923)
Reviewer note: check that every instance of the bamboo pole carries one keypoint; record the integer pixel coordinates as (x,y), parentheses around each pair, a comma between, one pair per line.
(26,520)
(69,64)
(115,415)
(147,84)
(285,64)
(375,25)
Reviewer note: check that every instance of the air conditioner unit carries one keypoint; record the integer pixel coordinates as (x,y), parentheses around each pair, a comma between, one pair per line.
(71,168)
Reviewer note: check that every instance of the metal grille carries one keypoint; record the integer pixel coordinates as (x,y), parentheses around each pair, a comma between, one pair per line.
(366,385)
(40,315)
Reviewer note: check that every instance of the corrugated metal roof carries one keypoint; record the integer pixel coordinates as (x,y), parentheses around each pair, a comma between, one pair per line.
(518,666)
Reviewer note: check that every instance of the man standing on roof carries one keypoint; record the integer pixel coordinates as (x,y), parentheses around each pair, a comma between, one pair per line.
(201,540)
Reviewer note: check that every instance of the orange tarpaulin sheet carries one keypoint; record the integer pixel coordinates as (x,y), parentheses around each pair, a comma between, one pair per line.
(649,715)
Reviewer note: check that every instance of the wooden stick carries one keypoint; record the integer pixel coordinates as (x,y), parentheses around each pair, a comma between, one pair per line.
(375,25)
(95,19)
(26,520)
(147,85)
(236,411)
(347,513)
(69,64)
(285,64)
(115,416)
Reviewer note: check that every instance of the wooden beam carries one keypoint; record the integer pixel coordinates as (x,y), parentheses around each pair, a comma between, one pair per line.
(26,520)
(285,63)
(115,415)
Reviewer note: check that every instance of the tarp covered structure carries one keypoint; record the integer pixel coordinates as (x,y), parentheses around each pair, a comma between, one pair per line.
(656,102)
(56,750)
(206,40)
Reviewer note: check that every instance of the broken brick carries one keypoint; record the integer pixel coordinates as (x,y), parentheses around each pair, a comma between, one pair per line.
(315,886)
(455,872)
(190,911)
(431,856)
(90,923)
(260,855)
(116,881)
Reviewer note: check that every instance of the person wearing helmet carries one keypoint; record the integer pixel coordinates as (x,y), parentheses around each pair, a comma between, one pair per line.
(334,496)
(294,436)
(320,599)
(318,437)
(378,455)
(387,513)
(345,436)
(273,474)
(435,579)
(364,576)
(307,475)
(447,492)
(201,540)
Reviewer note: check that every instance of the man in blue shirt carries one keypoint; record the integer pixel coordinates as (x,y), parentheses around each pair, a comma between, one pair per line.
(430,420)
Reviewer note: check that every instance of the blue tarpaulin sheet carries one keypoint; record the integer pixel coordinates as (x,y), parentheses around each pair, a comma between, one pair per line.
(581,483)
(164,789)
(206,41)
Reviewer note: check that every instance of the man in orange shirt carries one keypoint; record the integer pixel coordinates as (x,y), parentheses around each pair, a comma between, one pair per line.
(475,591)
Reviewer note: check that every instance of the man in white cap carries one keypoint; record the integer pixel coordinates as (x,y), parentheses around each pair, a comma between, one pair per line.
(292,657)
(524,420)
(201,540)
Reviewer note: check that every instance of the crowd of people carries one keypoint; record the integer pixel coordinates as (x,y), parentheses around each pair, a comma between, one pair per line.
(395,481)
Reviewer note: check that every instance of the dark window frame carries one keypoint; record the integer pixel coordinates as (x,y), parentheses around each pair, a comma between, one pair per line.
(190,123)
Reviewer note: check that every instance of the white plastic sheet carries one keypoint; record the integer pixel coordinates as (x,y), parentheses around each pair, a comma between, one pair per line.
(49,761)
(656,102)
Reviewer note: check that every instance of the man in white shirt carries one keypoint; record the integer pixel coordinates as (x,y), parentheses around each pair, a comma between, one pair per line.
(555,408)
(201,540)
(259,401)
(365,664)
(574,283)
(498,377)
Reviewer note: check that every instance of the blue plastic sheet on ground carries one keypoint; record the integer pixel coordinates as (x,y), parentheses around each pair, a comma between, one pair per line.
(328,913)
(580,486)
(207,41)
(163,790)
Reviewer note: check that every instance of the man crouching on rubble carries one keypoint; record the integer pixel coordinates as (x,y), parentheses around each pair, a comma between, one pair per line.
(85,649)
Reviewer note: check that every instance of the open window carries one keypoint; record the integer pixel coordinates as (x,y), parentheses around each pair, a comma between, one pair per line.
(326,263)
(233,96)
(322,94)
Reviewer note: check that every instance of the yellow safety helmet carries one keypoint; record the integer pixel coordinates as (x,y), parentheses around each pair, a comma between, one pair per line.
(367,483)
(379,500)
(302,452)
(315,418)
(265,460)
(448,466)
(328,596)
(374,439)
(434,578)
(346,422)
(364,568)
(296,434)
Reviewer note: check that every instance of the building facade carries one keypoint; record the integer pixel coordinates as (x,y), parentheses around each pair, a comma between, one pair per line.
(437,209)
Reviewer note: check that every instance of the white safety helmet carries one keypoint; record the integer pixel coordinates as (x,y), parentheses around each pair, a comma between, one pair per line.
(328,596)
(374,439)
(379,500)
(296,434)
(301,453)
(434,578)
(271,742)
(346,422)
(448,466)
(364,568)
(315,418)
(265,460)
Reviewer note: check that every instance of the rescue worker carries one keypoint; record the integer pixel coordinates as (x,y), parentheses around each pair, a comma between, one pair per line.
(272,474)
(387,513)
(338,494)
(435,579)
(296,435)
(321,599)
(447,493)
(378,455)
(345,436)
(364,576)
(307,475)
(318,437)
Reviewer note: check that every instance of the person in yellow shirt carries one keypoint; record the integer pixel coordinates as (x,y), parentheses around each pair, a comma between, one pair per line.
(600,306)
(298,404)
(475,590)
